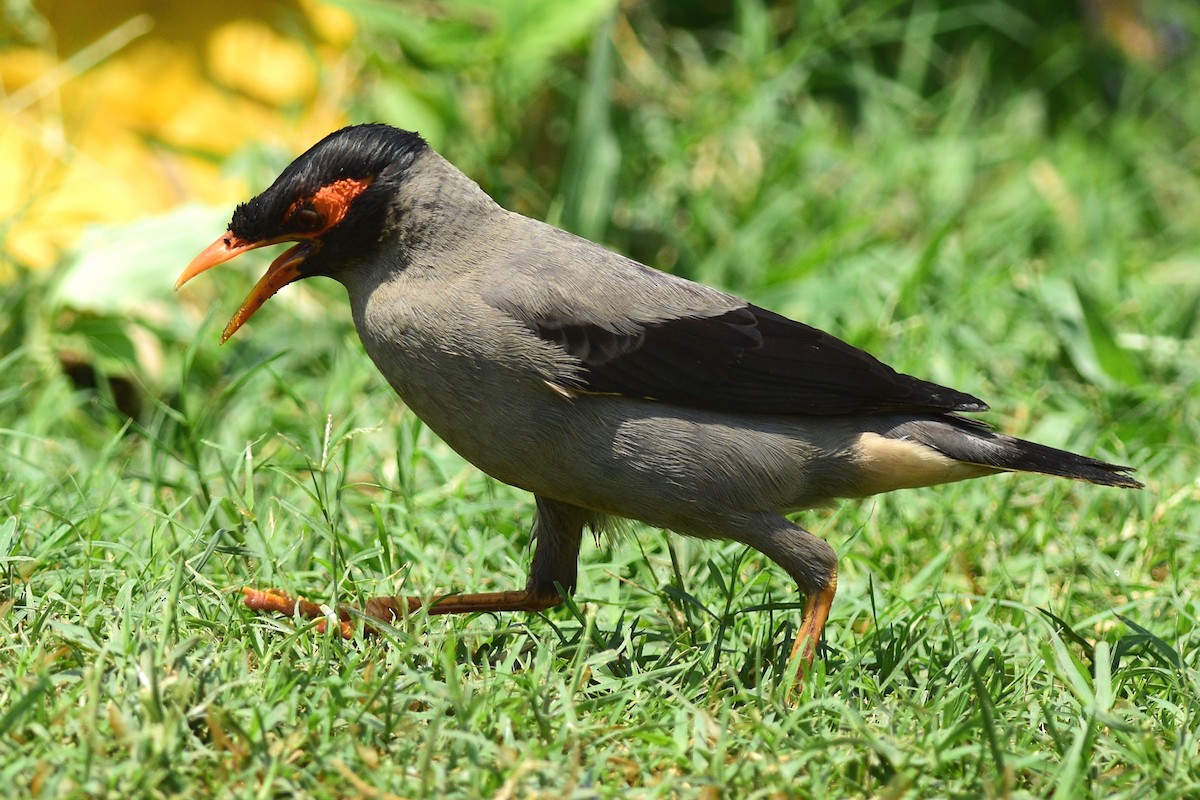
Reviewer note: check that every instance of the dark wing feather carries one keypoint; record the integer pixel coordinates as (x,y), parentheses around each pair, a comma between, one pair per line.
(746,360)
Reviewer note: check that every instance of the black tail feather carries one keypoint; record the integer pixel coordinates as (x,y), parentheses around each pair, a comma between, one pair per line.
(973,442)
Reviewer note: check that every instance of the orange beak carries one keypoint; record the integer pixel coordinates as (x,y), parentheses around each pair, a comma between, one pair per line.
(283,270)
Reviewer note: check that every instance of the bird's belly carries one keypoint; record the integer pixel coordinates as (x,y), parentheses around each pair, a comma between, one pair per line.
(664,465)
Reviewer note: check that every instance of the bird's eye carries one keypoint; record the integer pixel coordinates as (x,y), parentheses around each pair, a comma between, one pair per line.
(307,219)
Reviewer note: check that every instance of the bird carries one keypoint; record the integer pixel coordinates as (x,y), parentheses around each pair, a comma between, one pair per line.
(606,388)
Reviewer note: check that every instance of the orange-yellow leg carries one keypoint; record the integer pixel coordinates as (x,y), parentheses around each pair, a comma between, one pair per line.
(812,625)
(388,609)
(557,530)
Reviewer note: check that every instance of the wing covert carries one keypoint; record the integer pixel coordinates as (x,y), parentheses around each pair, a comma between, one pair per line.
(744,360)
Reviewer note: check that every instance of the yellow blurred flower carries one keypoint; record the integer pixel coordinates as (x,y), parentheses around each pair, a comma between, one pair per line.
(246,55)
(140,115)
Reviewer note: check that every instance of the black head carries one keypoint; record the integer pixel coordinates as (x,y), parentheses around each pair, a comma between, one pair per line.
(336,193)
(333,201)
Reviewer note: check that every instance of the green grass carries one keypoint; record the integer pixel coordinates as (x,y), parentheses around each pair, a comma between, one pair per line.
(1004,222)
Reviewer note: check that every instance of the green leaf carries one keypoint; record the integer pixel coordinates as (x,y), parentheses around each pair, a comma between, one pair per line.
(23,704)
(106,337)
(590,172)
(119,269)
(1110,356)
(1087,336)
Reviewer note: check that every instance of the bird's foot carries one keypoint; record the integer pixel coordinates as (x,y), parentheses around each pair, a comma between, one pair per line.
(279,602)
(812,625)
(389,609)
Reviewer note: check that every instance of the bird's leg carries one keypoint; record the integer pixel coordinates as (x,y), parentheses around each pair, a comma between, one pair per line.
(557,531)
(811,563)
(812,623)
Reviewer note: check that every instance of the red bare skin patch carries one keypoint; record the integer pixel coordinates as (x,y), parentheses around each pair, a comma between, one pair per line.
(331,202)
